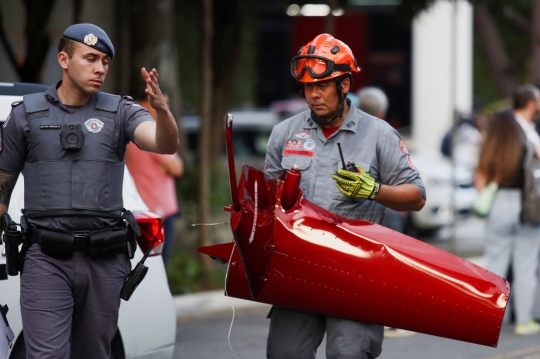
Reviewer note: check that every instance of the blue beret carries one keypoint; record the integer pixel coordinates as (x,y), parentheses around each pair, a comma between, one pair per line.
(91,35)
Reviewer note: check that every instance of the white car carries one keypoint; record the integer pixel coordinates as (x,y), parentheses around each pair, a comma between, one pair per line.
(147,322)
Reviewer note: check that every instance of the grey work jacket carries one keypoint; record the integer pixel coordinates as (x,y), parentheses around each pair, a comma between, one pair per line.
(365,140)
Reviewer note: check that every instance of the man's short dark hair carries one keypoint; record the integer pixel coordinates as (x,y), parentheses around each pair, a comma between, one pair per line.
(523,95)
(67,45)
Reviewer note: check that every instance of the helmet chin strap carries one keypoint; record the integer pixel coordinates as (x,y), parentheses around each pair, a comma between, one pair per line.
(321,121)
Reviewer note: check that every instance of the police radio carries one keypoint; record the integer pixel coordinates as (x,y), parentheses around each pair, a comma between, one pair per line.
(349,166)
(72,137)
(138,273)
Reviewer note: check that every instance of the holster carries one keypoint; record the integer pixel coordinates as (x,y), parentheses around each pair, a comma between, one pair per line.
(12,240)
(131,242)
(133,231)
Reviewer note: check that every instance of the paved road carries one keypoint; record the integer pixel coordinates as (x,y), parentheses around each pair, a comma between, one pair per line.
(206,337)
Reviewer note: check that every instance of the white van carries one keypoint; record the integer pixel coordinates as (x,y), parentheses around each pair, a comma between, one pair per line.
(147,322)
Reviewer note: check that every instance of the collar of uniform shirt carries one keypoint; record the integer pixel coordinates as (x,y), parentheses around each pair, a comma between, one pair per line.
(349,123)
(329,131)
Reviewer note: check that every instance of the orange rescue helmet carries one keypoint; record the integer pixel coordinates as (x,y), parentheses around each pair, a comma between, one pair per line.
(323,58)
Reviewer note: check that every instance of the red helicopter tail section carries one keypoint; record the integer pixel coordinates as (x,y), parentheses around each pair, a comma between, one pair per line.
(293,253)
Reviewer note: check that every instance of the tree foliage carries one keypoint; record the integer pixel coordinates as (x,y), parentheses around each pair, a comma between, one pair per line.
(232,59)
(507,43)
(29,67)
(408,9)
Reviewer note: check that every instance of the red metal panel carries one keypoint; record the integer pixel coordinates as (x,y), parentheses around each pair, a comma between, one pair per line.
(311,259)
(305,257)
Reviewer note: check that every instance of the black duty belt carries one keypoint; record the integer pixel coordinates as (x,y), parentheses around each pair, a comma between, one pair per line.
(124,214)
(94,244)
(34,235)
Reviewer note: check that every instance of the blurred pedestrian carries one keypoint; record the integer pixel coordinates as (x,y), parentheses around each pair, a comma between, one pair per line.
(154,176)
(374,102)
(354,99)
(526,108)
(510,241)
(463,144)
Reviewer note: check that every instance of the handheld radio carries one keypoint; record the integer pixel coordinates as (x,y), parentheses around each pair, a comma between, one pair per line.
(350,166)
(138,273)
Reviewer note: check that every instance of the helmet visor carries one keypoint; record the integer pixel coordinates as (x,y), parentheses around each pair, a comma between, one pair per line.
(318,67)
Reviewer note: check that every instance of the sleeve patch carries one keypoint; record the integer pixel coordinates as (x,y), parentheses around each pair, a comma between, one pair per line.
(403,148)
(410,163)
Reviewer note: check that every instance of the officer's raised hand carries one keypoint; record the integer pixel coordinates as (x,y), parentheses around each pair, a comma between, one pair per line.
(161,136)
(356,184)
(155,97)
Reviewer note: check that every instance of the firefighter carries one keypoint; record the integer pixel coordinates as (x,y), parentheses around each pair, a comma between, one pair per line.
(379,174)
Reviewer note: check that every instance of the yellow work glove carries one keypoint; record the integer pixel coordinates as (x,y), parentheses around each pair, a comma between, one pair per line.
(356,184)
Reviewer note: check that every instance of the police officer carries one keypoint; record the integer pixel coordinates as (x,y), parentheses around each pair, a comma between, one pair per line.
(382,176)
(69,142)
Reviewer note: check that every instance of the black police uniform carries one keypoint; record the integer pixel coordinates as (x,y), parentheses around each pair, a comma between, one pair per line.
(70,304)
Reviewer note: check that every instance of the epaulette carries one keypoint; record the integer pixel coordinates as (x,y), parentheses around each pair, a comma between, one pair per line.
(129,100)
(16,103)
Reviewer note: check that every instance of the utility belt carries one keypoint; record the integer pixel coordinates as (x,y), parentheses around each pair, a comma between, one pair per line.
(104,242)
